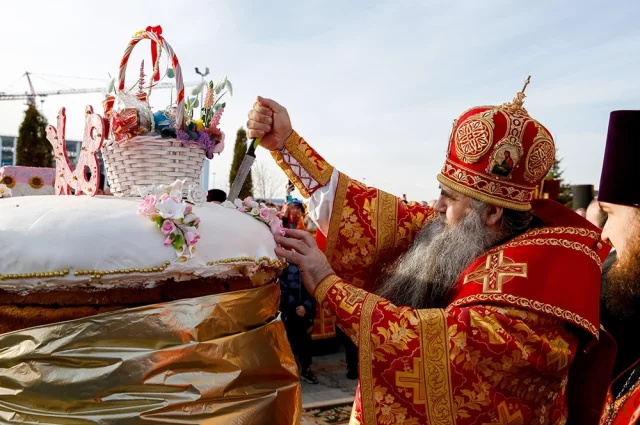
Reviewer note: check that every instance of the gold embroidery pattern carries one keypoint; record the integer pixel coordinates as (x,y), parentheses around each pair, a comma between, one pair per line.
(437,373)
(291,175)
(336,217)
(577,246)
(556,231)
(497,271)
(414,381)
(324,286)
(317,168)
(352,298)
(366,364)
(386,222)
(529,304)
(559,353)
(469,183)
(540,157)
(613,409)
(474,136)
(506,418)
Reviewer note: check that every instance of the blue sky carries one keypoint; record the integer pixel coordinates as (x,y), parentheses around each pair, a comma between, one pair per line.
(373,85)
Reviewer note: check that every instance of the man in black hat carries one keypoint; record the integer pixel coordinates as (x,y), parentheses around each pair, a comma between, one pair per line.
(619,197)
(583,194)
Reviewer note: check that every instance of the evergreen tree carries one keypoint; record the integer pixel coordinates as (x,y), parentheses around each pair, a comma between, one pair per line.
(239,151)
(555,173)
(34,150)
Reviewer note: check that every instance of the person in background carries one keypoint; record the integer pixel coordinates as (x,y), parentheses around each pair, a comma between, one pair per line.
(596,215)
(620,200)
(309,224)
(294,215)
(216,196)
(298,307)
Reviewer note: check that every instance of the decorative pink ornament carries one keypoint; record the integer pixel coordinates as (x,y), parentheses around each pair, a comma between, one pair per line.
(68,178)
(191,238)
(277,229)
(148,205)
(168,227)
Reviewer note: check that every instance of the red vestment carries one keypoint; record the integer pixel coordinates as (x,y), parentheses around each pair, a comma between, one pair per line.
(500,353)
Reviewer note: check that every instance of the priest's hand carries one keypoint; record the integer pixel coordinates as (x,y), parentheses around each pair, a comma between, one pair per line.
(271,121)
(299,247)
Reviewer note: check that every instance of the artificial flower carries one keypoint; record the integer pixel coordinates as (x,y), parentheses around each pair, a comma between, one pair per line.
(268,214)
(208,97)
(170,208)
(229,204)
(191,238)
(277,229)
(189,219)
(147,207)
(168,227)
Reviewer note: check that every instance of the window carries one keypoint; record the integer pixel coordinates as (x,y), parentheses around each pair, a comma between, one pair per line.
(7,154)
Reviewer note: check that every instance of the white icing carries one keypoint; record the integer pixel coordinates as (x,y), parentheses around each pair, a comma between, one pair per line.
(56,233)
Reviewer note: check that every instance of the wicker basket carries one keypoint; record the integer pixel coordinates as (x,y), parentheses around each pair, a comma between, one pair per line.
(150,159)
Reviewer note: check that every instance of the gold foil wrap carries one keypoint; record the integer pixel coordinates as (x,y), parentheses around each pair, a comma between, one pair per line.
(219,359)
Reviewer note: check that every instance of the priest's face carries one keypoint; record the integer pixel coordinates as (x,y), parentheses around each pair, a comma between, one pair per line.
(622,230)
(425,275)
(453,205)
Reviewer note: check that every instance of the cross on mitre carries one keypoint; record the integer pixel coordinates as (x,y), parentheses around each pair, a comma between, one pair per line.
(496,271)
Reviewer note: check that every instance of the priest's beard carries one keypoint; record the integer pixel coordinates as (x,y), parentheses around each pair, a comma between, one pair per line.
(425,275)
(622,293)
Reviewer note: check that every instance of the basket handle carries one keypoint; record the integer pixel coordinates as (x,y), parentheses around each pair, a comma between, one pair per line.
(174,63)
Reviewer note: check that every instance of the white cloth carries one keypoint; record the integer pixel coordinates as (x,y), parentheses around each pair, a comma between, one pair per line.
(321,203)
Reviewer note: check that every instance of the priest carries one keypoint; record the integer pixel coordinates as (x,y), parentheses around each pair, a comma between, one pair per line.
(619,197)
(470,312)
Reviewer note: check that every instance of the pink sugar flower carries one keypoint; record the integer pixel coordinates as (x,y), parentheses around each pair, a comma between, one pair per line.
(192,238)
(277,228)
(148,206)
(168,227)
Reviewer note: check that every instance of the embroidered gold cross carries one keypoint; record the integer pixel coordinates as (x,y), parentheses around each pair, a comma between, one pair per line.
(353,298)
(493,273)
(413,380)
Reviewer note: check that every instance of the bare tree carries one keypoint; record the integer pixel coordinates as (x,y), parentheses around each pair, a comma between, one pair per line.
(267,182)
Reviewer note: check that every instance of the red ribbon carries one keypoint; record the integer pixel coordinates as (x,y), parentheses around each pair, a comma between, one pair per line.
(154,50)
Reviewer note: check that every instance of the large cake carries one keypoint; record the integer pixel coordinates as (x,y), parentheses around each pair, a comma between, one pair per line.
(150,306)
(75,256)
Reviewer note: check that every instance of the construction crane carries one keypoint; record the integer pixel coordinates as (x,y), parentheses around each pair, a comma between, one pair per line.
(31,97)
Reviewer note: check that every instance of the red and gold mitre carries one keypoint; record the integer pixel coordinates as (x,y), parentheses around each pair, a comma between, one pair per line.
(498,154)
